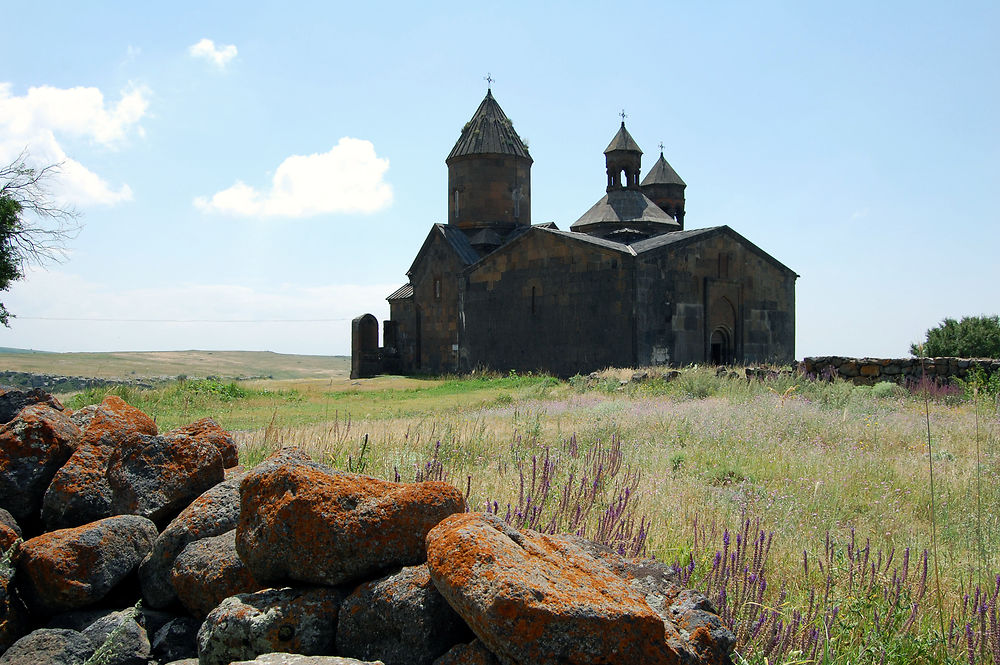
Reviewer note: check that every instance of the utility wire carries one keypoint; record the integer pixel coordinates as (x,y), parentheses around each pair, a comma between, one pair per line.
(60,318)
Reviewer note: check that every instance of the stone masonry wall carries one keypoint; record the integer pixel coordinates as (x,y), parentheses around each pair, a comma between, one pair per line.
(868,371)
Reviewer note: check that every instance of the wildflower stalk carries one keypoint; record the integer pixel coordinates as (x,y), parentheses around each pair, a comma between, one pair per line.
(930,467)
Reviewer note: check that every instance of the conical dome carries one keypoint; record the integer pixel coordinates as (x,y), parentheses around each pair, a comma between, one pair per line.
(489,132)
(623,141)
(662,174)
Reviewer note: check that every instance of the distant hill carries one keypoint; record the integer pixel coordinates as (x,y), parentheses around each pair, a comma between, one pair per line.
(193,364)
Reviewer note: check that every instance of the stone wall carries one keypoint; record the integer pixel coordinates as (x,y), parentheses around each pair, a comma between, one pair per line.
(868,371)
(63,384)
(551,303)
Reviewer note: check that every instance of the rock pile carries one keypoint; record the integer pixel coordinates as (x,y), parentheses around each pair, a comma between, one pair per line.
(142,548)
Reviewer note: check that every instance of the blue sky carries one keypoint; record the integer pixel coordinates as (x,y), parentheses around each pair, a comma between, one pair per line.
(259,189)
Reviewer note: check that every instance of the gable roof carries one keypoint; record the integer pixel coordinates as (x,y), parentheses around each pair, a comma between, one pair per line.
(488,132)
(662,174)
(402,293)
(623,141)
(680,238)
(456,240)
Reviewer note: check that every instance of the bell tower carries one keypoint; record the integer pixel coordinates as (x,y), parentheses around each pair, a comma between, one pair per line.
(489,173)
(623,157)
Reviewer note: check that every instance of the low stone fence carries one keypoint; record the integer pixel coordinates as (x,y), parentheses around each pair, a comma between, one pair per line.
(63,384)
(869,371)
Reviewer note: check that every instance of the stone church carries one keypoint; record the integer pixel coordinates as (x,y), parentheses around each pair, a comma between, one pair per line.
(625,286)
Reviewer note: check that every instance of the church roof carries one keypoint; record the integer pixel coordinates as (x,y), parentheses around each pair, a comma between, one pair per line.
(402,293)
(695,235)
(455,238)
(622,206)
(489,132)
(623,141)
(662,174)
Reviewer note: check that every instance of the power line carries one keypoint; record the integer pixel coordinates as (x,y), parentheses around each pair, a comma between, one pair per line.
(103,320)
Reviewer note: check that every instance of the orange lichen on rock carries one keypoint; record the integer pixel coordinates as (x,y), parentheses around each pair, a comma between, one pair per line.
(208,571)
(158,476)
(32,448)
(533,598)
(208,430)
(111,421)
(300,520)
(72,568)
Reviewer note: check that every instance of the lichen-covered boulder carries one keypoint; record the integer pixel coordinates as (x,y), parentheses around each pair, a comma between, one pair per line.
(400,619)
(72,568)
(13,613)
(79,492)
(208,430)
(533,598)
(211,514)
(113,419)
(12,401)
(52,646)
(208,571)
(290,620)
(694,628)
(345,526)
(32,448)
(473,653)
(158,476)
(10,531)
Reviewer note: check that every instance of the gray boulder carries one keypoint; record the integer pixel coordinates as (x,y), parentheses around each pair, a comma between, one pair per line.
(177,640)
(158,476)
(296,659)
(12,401)
(208,571)
(288,620)
(473,653)
(213,513)
(52,646)
(400,619)
(119,639)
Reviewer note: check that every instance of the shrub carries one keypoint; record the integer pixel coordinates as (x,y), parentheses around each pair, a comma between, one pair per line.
(971,337)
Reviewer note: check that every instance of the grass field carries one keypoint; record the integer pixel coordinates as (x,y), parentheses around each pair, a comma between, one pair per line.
(200,364)
(802,508)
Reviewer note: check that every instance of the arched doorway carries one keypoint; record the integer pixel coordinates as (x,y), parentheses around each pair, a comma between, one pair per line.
(720,338)
(721,346)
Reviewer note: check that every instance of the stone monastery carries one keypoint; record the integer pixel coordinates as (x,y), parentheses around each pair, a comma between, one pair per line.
(625,286)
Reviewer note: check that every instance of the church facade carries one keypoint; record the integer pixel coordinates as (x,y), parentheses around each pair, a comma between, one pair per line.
(626,285)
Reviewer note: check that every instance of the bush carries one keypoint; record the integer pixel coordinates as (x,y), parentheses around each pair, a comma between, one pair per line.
(884,389)
(972,337)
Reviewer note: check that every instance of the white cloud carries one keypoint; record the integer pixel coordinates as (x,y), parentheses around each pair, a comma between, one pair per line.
(346,179)
(285,318)
(220,56)
(45,115)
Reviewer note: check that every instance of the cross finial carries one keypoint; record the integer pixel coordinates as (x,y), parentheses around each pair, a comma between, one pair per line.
(489,80)
(623,115)
(661,147)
